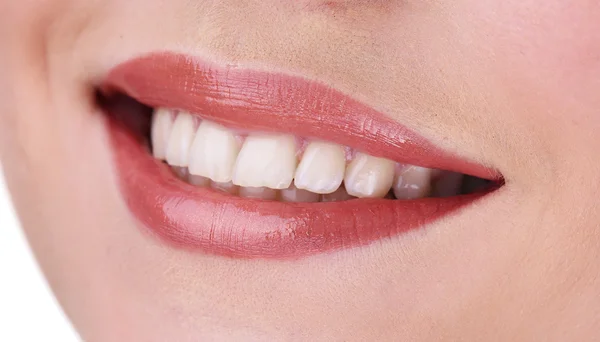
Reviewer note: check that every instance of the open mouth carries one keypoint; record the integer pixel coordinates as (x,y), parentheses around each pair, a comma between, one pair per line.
(250,164)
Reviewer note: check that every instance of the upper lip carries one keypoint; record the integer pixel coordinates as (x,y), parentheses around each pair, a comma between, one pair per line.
(266,101)
(256,100)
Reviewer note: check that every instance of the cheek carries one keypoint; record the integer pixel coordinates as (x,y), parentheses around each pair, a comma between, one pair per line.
(548,49)
(538,66)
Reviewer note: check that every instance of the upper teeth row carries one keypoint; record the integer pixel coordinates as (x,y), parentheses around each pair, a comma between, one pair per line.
(210,150)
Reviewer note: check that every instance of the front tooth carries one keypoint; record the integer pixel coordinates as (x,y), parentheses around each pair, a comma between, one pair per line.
(293,194)
(180,140)
(368,176)
(213,152)
(258,192)
(162,123)
(412,182)
(321,169)
(266,161)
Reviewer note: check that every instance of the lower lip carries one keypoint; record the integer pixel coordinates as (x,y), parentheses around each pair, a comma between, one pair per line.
(206,220)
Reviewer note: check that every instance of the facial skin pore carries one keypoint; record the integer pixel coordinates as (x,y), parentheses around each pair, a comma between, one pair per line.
(509,84)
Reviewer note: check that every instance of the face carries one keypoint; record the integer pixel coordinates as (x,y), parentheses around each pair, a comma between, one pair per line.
(503,90)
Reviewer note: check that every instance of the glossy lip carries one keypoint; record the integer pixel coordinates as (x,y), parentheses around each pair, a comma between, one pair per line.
(210,221)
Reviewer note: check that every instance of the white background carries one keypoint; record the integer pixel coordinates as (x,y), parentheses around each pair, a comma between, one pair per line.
(28,311)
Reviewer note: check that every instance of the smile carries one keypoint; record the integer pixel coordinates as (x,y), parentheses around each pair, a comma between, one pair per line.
(253,164)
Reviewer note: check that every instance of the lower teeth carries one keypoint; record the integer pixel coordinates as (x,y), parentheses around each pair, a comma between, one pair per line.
(446,184)
(292,194)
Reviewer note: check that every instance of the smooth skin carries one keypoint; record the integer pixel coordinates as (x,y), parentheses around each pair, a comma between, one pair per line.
(511,84)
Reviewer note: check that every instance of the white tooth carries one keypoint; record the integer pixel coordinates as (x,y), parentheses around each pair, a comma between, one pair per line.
(198,180)
(368,176)
(162,123)
(258,192)
(181,172)
(180,140)
(339,195)
(448,184)
(266,161)
(412,182)
(321,169)
(213,152)
(228,187)
(293,194)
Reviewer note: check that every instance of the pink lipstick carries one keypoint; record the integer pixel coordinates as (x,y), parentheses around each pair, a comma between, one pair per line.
(213,222)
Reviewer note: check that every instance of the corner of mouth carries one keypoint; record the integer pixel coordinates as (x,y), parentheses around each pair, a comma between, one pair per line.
(251,191)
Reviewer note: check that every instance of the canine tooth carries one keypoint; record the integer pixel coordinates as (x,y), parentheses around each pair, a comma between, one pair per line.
(322,167)
(227,187)
(368,176)
(162,123)
(258,192)
(412,182)
(266,161)
(339,195)
(293,194)
(213,152)
(180,140)
(448,184)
